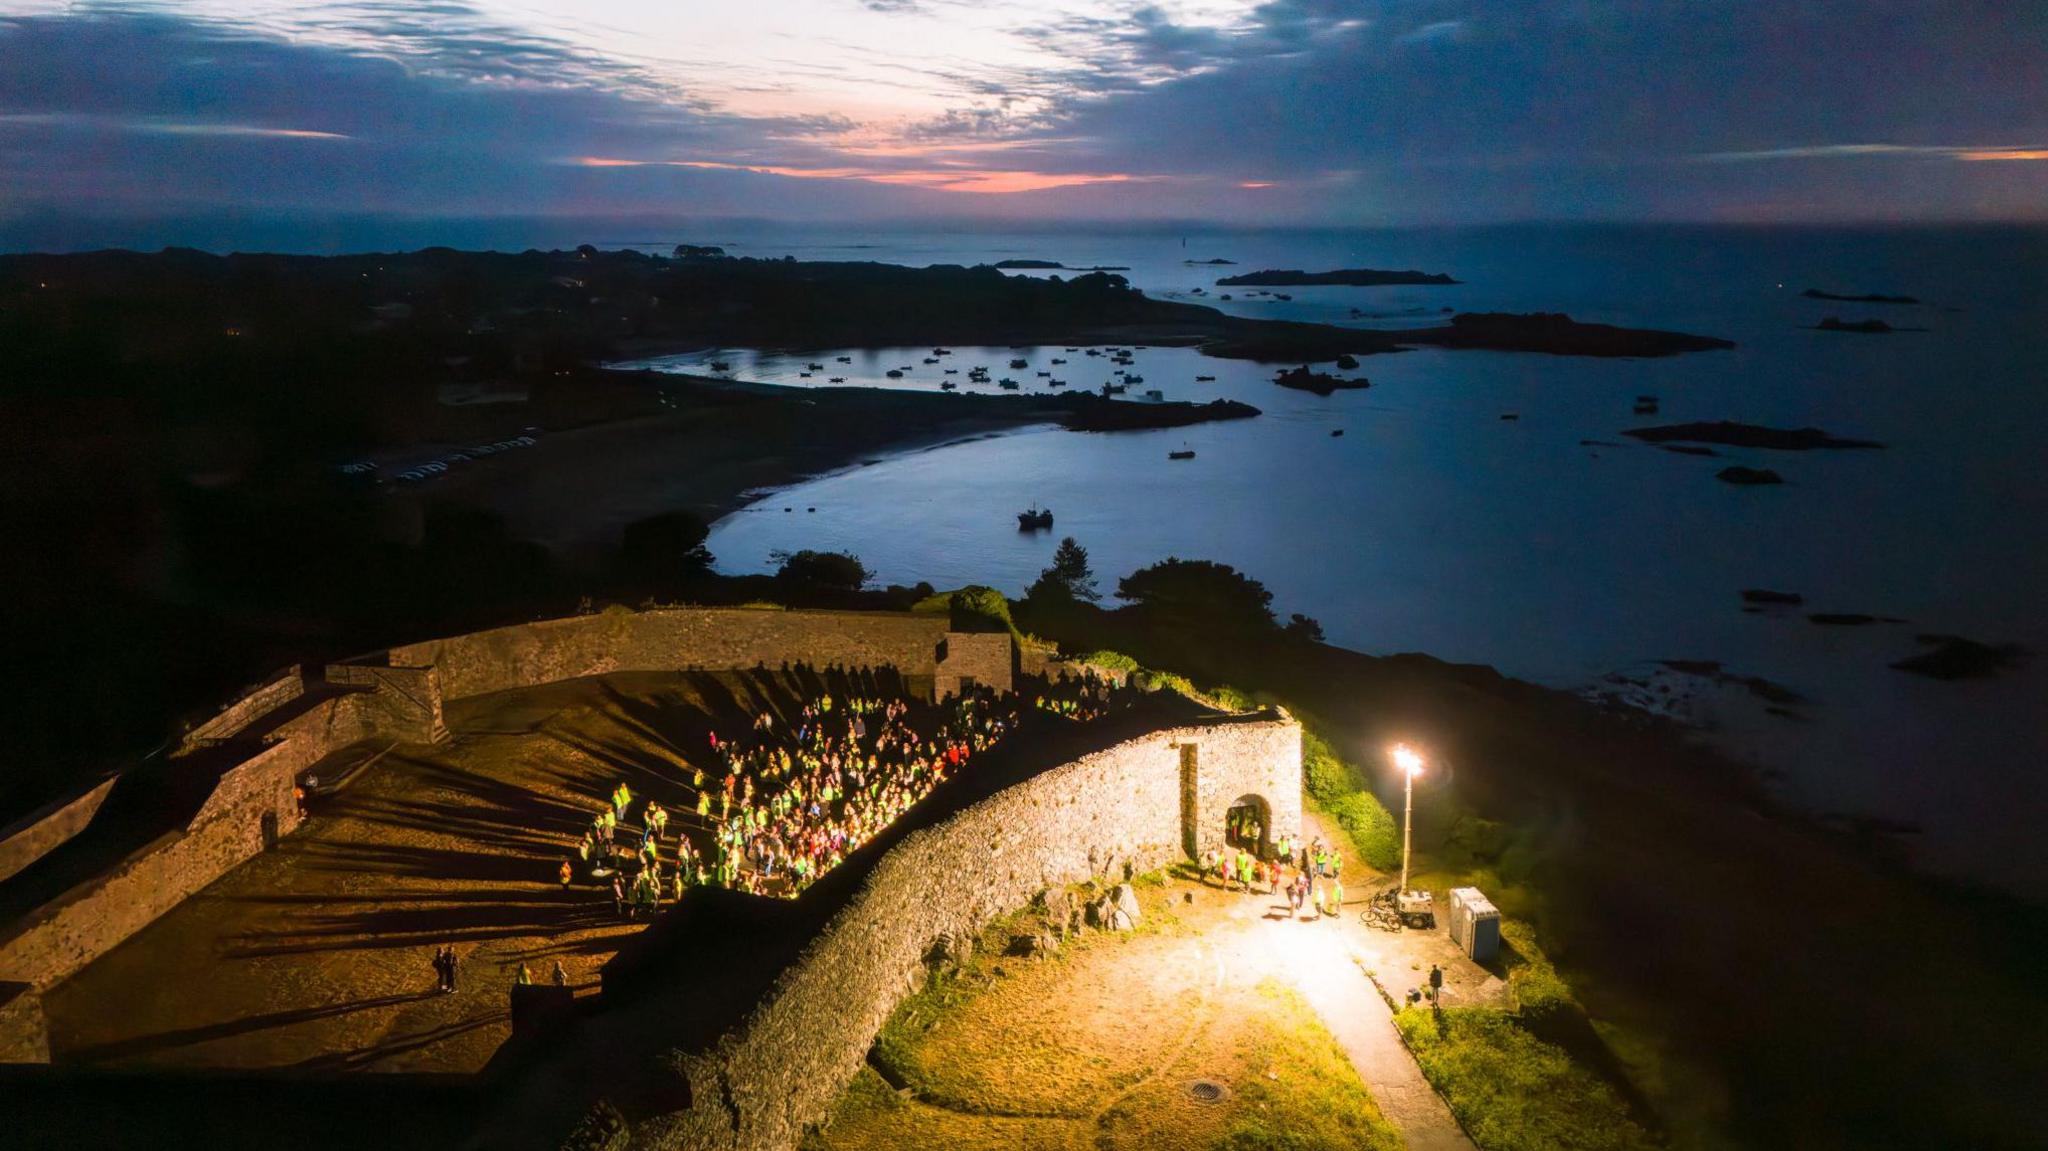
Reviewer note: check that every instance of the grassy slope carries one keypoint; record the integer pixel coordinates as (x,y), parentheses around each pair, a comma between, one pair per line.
(1761,981)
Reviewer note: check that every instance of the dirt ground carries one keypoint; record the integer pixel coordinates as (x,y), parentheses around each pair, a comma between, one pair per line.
(1105,1043)
(317,955)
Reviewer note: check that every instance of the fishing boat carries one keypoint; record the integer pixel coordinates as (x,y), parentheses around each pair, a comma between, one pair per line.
(1205,379)
(1020,363)
(1183,454)
(1035,519)
(893,374)
(720,366)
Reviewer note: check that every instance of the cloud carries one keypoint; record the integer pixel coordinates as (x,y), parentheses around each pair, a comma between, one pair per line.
(1364,111)
(1851,151)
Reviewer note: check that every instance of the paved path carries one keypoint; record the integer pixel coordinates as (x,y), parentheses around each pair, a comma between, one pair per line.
(1363,1024)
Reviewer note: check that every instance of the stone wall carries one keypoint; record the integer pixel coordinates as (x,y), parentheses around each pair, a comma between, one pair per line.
(780,1071)
(281,689)
(34,835)
(24,1033)
(230,826)
(717,639)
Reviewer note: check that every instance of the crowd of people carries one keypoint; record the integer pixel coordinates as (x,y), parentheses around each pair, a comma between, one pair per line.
(1307,874)
(772,808)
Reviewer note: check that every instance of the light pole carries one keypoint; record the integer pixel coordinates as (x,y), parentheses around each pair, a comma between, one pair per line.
(1411,766)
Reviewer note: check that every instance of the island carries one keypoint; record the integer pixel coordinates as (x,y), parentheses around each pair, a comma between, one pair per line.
(1952,657)
(1041,265)
(1343,277)
(1864,327)
(1746,436)
(1321,383)
(1871,298)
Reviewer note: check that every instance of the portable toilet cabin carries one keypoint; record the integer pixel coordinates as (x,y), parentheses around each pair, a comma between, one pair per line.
(1475,924)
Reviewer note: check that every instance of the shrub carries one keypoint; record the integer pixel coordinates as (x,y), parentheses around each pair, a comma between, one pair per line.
(823,571)
(1335,785)
(980,609)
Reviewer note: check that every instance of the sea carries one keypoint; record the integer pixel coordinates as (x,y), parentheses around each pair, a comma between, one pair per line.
(1487,508)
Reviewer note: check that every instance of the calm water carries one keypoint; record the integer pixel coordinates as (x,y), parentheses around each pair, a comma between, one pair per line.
(1433,525)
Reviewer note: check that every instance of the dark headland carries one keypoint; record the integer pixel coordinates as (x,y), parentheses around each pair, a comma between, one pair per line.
(1870,298)
(1746,436)
(1344,277)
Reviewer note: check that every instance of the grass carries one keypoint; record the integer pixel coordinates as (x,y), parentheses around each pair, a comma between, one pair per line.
(1097,1046)
(1513,1091)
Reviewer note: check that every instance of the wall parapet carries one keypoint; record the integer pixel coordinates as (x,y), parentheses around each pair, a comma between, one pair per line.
(48,827)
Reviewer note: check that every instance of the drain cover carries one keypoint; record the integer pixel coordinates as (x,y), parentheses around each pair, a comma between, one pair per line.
(1207,1091)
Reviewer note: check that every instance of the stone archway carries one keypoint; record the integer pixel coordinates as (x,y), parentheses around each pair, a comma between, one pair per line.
(1248,823)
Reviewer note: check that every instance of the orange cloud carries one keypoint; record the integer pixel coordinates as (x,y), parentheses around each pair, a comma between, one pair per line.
(2004,154)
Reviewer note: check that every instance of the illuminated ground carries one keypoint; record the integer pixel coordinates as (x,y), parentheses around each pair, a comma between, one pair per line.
(318,955)
(1100,1046)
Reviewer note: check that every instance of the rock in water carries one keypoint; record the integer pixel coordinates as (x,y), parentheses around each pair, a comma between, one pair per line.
(1741,475)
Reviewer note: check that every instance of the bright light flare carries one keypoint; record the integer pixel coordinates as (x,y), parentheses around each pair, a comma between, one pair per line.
(1407,760)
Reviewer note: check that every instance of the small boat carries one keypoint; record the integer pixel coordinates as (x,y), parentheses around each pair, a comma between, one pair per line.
(1094,352)
(1073,349)
(1154,395)
(1134,379)
(815,367)
(893,374)
(1055,383)
(942,351)
(838,379)
(805,375)
(947,385)
(1112,389)
(1511,415)
(1334,432)
(952,371)
(1205,379)
(1020,363)
(1044,375)
(720,366)
(931,359)
(1057,361)
(1008,385)
(1034,520)
(1183,454)
(846,359)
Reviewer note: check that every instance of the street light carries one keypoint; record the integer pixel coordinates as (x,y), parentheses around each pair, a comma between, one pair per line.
(1411,766)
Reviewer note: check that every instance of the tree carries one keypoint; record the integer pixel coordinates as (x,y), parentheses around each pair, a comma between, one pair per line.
(1303,627)
(665,549)
(1068,578)
(1199,593)
(814,571)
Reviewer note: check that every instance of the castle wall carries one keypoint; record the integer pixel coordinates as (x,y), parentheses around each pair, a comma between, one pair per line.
(780,1071)
(274,693)
(717,639)
(36,834)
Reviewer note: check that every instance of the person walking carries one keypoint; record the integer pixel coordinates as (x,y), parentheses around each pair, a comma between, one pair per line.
(618,895)
(567,873)
(441,969)
(524,977)
(560,976)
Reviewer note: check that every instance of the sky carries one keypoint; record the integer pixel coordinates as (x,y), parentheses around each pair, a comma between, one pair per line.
(1311,112)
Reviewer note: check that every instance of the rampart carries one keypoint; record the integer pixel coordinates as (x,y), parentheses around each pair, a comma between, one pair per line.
(921,646)
(82,875)
(1137,805)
